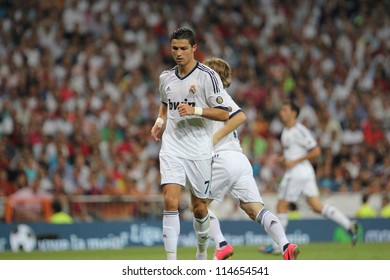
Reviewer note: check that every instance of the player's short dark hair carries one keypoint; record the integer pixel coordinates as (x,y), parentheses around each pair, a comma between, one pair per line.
(293,105)
(184,33)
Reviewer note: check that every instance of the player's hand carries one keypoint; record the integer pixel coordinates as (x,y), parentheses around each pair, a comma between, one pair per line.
(185,109)
(290,163)
(155,132)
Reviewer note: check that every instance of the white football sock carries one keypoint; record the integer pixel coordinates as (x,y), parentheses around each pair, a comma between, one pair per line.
(171,231)
(332,213)
(273,227)
(215,230)
(202,228)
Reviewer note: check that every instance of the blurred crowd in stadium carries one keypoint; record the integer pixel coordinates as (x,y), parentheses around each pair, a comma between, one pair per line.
(78,88)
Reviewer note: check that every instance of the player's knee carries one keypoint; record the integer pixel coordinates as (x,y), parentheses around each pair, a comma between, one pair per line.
(200,210)
(317,209)
(316,205)
(251,209)
(171,203)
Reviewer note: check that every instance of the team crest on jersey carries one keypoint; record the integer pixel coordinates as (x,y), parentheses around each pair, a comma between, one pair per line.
(192,89)
(219,99)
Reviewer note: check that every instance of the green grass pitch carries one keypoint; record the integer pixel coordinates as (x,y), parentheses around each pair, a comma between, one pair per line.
(312,251)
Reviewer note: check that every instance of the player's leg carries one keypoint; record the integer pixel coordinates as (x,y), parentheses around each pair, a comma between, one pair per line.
(171,222)
(282,209)
(223,249)
(282,215)
(199,182)
(289,191)
(223,170)
(172,179)
(246,193)
(201,225)
(273,227)
(332,213)
(215,230)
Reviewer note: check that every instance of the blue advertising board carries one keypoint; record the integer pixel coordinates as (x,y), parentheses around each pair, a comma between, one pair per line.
(118,235)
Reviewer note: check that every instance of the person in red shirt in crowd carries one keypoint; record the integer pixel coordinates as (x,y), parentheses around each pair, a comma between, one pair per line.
(372,131)
(28,201)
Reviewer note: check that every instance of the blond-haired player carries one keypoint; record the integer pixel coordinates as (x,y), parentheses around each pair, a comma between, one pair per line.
(232,174)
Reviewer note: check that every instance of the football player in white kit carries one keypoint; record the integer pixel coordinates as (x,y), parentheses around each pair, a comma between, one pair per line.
(299,147)
(192,98)
(233,174)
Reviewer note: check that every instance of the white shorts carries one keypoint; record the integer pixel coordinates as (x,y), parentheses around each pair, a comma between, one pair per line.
(233,175)
(192,174)
(291,188)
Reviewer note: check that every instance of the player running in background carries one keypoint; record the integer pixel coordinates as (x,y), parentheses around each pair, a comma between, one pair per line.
(191,97)
(233,174)
(299,147)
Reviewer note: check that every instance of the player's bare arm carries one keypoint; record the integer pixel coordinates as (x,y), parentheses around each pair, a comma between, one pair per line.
(158,126)
(214,114)
(231,125)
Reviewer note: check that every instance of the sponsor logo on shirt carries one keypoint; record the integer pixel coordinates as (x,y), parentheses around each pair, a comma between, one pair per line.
(174,105)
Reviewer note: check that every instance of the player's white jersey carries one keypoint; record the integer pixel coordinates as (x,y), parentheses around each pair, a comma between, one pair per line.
(297,141)
(229,142)
(184,135)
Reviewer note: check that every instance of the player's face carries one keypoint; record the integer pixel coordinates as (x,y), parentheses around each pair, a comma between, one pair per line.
(182,51)
(286,114)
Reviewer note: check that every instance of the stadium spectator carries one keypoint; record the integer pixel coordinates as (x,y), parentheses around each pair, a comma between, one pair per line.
(6,186)
(58,216)
(29,203)
(293,213)
(385,207)
(366,210)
